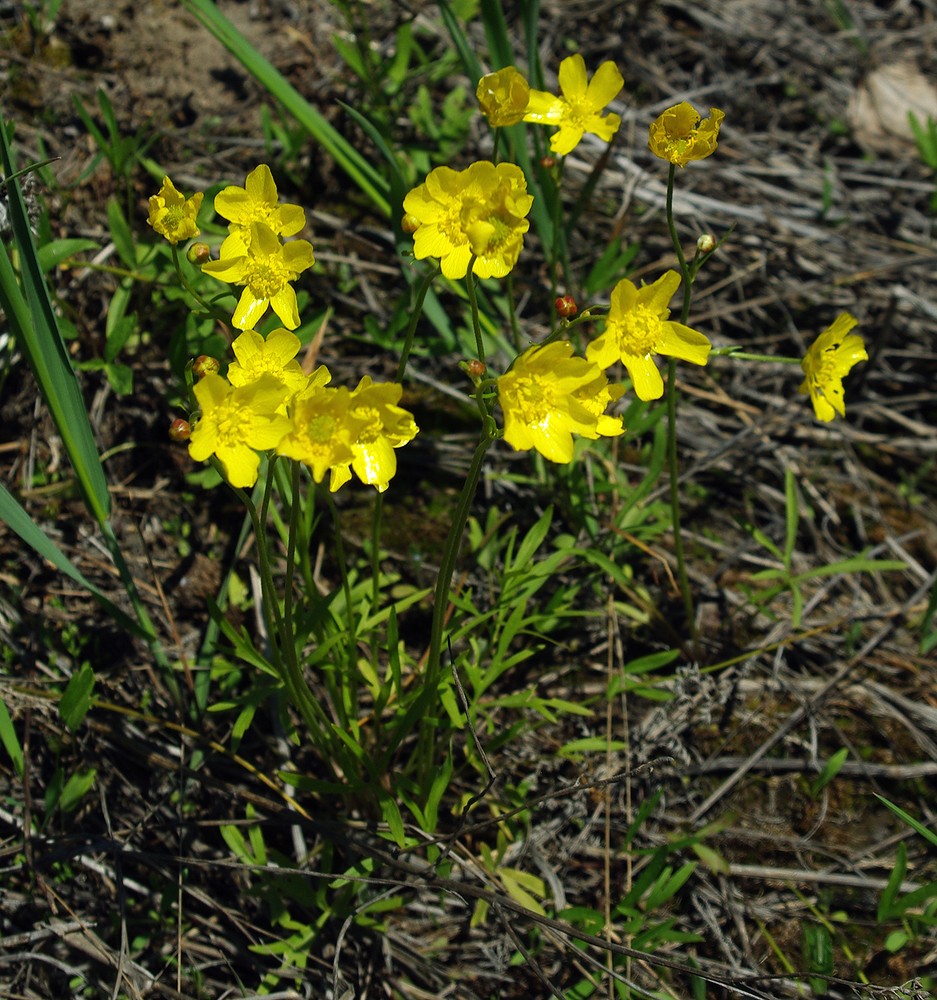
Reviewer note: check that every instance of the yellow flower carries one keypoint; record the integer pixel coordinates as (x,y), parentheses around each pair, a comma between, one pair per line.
(637,327)
(503,97)
(172,215)
(386,426)
(548,395)
(324,428)
(274,356)
(257,201)
(480,210)
(235,423)
(265,270)
(679,135)
(577,111)
(827,362)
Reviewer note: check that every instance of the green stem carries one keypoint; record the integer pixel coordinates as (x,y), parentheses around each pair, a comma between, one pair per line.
(737,352)
(473,304)
(671,401)
(415,314)
(190,288)
(430,685)
(346,684)
(377,524)
(282,641)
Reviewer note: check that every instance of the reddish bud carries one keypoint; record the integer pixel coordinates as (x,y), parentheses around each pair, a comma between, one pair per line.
(198,253)
(566,306)
(474,368)
(409,223)
(204,365)
(548,162)
(180,430)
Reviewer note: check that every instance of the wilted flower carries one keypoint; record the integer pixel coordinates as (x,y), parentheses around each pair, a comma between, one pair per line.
(236,423)
(480,210)
(577,111)
(828,360)
(265,271)
(502,96)
(548,395)
(172,215)
(257,201)
(638,327)
(679,135)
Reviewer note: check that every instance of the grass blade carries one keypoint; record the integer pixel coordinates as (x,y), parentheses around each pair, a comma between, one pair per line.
(344,154)
(29,312)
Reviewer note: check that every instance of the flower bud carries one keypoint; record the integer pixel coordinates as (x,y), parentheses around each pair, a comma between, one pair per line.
(706,243)
(548,162)
(473,368)
(198,253)
(409,223)
(566,306)
(204,365)
(180,430)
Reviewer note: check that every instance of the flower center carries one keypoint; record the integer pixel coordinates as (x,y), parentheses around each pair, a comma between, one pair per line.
(320,430)
(266,276)
(230,422)
(534,401)
(639,332)
(175,216)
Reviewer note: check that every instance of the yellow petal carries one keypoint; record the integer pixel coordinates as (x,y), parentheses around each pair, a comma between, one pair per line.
(645,377)
(572,75)
(605,85)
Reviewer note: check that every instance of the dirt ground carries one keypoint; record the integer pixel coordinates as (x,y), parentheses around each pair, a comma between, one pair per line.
(830,203)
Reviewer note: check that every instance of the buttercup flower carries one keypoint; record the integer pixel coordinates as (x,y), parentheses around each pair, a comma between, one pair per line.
(503,97)
(577,111)
(257,201)
(679,135)
(273,356)
(637,327)
(236,423)
(265,270)
(480,210)
(172,215)
(548,395)
(828,360)
(385,426)
(323,430)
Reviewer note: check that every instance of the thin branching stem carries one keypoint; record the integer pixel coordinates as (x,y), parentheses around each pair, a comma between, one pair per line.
(671,402)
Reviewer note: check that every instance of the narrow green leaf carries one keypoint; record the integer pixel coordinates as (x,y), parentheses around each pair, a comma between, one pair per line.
(52,254)
(12,514)
(829,772)
(76,699)
(10,740)
(393,819)
(929,835)
(886,905)
(791,515)
(77,786)
(32,320)
(120,233)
